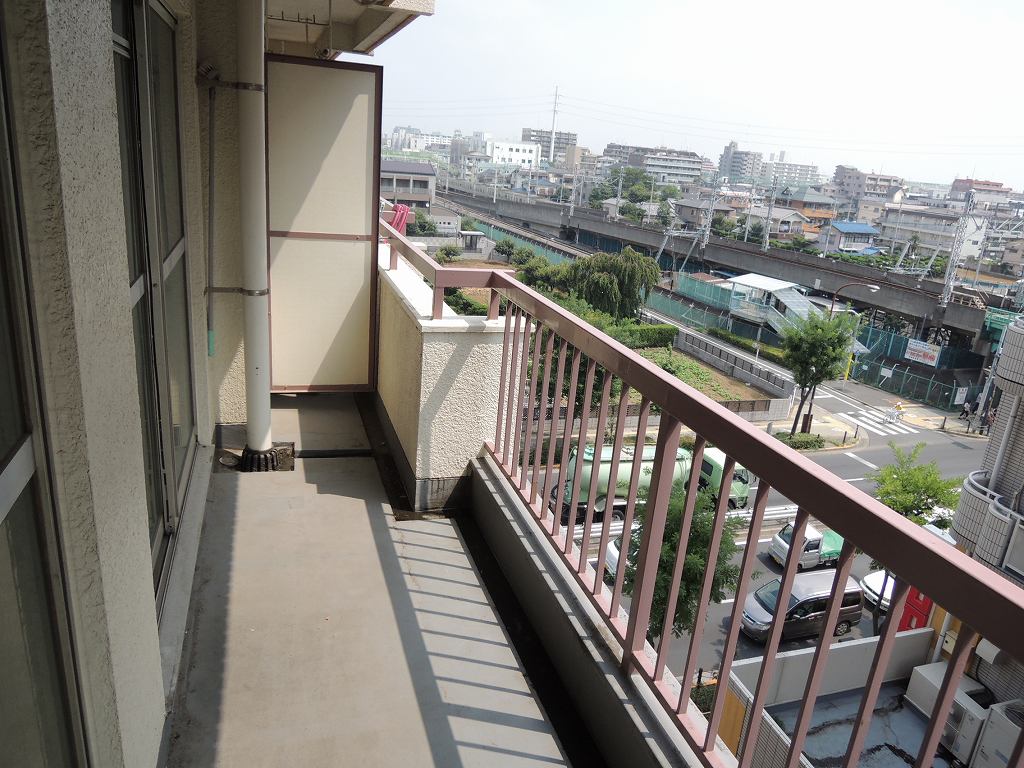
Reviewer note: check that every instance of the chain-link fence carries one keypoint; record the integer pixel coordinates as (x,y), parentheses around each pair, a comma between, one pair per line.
(706,293)
(900,381)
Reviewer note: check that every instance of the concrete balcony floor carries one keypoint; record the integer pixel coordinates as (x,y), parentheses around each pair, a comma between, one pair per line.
(324,632)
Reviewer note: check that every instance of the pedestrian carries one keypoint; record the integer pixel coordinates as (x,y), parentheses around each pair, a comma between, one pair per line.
(974,406)
(965,411)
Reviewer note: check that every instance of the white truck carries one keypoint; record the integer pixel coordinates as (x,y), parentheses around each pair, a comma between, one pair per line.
(710,476)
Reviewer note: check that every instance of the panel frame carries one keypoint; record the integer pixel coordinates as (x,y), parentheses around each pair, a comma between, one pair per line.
(374,235)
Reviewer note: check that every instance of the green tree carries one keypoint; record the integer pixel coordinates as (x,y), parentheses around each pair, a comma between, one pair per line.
(756,232)
(664,214)
(600,193)
(632,212)
(913,488)
(421,225)
(522,254)
(721,226)
(638,193)
(695,564)
(630,176)
(446,254)
(468,224)
(671,192)
(816,350)
(505,247)
(616,283)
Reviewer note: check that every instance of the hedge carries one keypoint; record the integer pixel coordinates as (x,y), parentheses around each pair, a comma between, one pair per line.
(770,353)
(461,304)
(637,336)
(802,441)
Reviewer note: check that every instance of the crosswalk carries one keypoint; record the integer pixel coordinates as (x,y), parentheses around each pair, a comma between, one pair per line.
(873,420)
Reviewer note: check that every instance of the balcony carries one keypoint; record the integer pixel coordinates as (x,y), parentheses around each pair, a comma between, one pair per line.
(323,622)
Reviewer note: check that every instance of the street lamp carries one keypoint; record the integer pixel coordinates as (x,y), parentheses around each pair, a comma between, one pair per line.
(870,286)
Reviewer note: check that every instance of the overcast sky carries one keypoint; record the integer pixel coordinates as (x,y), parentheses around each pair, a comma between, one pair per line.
(926,90)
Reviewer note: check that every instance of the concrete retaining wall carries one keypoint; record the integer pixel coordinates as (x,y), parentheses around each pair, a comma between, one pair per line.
(734,365)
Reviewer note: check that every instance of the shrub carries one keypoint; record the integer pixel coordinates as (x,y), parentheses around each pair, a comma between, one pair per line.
(636,336)
(802,441)
(461,304)
(769,353)
(446,254)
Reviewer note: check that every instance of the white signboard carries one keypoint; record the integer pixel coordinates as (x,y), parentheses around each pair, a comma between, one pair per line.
(885,372)
(922,352)
(961,396)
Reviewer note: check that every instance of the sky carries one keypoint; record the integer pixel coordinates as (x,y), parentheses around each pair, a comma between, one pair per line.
(925,90)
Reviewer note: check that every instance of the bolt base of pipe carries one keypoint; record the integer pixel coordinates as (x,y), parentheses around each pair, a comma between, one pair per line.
(259,461)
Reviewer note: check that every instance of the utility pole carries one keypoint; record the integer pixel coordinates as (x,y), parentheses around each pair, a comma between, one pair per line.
(705,233)
(572,197)
(551,144)
(746,221)
(618,195)
(495,198)
(896,232)
(768,218)
(956,252)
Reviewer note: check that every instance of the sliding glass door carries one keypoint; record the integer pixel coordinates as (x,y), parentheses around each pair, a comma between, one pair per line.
(145,68)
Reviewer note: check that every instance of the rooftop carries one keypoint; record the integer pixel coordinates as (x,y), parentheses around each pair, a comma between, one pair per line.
(406,166)
(761,282)
(854,228)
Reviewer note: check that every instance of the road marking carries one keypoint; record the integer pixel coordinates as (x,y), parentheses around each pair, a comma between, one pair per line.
(865,462)
(855,479)
(866,425)
(899,426)
(742,543)
(728,600)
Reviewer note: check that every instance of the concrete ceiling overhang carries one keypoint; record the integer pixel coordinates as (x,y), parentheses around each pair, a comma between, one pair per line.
(330,27)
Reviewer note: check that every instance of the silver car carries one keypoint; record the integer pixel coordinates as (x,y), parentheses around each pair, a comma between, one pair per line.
(805,614)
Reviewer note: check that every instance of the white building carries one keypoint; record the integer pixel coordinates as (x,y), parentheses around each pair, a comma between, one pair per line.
(519,153)
(447,222)
(418,142)
(676,168)
(933,228)
(789,174)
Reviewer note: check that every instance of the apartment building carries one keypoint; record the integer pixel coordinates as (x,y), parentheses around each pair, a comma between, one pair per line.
(679,169)
(934,228)
(789,173)
(564,140)
(520,154)
(408,182)
(853,184)
(738,165)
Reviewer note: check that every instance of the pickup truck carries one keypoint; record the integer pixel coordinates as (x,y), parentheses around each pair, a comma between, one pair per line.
(819,548)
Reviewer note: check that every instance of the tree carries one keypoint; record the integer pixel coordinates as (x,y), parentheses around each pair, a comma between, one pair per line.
(446,254)
(632,212)
(914,489)
(616,283)
(600,193)
(816,349)
(637,193)
(664,214)
(671,192)
(721,226)
(505,248)
(522,254)
(421,225)
(630,176)
(756,231)
(695,564)
(468,224)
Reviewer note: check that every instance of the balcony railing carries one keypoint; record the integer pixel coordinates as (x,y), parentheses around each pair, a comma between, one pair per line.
(547,349)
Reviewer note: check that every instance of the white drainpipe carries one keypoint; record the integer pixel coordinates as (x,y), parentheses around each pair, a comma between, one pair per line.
(258,454)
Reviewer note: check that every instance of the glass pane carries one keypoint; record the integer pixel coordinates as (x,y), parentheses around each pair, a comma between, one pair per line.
(120,13)
(165,124)
(179,363)
(34,728)
(150,424)
(131,163)
(12,413)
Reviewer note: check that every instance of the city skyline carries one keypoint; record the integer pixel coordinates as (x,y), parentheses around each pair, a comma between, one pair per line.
(904,112)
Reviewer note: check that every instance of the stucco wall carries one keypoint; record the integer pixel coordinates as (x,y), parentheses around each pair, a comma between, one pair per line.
(65,116)
(437,383)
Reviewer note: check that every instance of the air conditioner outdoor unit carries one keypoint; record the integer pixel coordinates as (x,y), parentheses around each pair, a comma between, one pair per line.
(966,716)
(999,735)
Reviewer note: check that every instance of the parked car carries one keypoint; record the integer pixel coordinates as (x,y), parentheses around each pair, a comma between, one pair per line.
(819,548)
(712,468)
(805,615)
(872,584)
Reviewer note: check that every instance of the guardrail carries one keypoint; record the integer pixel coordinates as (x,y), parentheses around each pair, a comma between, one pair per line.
(547,349)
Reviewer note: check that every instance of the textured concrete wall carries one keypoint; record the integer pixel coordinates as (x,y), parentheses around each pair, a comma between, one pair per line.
(62,84)
(216,45)
(437,383)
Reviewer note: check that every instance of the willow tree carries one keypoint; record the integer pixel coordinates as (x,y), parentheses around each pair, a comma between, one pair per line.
(616,283)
